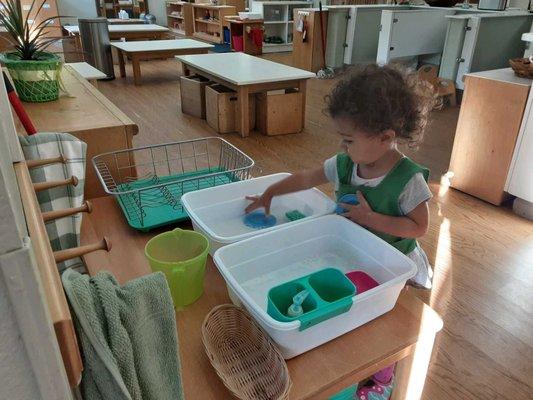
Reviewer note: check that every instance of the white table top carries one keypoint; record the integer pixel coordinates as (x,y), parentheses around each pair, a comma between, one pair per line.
(527,37)
(87,71)
(243,69)
(502,75)
(161,45)
(74,29)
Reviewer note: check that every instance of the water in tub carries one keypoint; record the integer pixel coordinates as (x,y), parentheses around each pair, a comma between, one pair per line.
(226,219)
(257,276)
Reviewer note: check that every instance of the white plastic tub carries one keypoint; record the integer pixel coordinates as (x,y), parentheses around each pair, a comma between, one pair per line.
(218,212)
(253,266)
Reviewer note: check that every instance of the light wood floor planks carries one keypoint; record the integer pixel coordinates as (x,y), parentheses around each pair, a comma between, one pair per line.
(483,255)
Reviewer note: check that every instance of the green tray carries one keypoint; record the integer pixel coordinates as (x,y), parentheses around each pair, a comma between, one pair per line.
(146,209)
(330,294)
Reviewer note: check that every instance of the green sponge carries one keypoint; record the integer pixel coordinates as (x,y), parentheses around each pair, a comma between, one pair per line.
(294,215)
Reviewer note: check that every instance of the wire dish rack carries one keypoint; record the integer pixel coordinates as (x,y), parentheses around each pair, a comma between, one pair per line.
(148,182)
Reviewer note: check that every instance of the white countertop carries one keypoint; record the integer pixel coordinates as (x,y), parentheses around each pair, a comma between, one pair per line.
(243,69)
(161,45)
(74,29)
(87,71)
(503,75)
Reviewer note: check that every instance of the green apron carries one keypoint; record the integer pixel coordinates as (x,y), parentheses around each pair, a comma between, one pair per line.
(384,197)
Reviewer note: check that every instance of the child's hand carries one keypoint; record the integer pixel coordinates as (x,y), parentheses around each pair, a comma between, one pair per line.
(259,201)
(360,213)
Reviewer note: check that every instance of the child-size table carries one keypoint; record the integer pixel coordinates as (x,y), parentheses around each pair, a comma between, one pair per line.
(152,49)
(247,75)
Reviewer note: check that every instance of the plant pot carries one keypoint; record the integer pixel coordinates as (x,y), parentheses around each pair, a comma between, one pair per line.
(36,81)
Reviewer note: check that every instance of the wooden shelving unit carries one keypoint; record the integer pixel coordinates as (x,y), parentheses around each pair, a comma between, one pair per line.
(210,29)
(110,8)
(278,20)
(178,17)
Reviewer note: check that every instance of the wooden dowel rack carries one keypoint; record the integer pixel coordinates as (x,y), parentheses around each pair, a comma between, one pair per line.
(64,255)
(40,186)
(56,214)
(46,161)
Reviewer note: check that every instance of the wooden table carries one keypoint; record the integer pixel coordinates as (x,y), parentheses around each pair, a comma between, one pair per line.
(127,31)
(152,49)
(247,75)
(404,335)
(90,116)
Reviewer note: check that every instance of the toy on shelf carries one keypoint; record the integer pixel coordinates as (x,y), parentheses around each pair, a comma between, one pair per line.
(311,299)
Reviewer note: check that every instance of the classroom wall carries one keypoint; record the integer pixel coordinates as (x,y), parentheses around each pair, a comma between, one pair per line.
(76,9)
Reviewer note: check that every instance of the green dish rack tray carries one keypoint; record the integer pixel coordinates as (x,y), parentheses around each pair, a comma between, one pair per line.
(330,294)
(148,182)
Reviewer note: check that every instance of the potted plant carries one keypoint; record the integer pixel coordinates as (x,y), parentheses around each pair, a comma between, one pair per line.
(35,72)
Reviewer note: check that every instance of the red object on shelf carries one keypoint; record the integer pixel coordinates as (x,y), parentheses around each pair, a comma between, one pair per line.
(18,107)
(238,43)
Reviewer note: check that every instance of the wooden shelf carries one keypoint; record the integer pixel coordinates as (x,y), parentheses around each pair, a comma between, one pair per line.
(208,37)
(174,16)
(207,21)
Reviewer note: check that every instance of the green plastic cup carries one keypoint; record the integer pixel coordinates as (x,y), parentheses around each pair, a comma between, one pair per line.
(181,255)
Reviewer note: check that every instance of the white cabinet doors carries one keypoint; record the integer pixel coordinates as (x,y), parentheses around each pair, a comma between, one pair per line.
(520,178)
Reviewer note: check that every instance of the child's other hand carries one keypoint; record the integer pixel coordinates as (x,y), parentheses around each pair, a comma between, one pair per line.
(259,201)
(360,213)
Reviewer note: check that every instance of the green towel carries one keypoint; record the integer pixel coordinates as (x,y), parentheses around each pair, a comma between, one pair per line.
(128,337)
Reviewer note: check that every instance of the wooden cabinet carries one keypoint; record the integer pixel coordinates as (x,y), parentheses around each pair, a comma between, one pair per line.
(487,131)
(308,50)
(49,9)
(209,21)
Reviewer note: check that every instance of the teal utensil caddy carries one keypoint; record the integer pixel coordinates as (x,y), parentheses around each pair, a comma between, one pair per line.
(148,182)
(330,294)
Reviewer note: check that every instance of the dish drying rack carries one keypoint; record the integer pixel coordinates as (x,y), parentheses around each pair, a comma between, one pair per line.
(148,182)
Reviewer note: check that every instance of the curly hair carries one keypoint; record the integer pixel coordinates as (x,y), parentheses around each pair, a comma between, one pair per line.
(379,98)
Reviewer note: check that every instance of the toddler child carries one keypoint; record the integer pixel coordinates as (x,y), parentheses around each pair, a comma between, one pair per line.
(373,111)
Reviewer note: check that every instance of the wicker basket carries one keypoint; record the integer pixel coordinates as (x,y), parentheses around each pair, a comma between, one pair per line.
(248,363)
(522,67)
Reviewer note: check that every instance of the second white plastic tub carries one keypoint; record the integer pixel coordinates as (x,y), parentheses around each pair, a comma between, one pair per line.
(253,266)
(218,212)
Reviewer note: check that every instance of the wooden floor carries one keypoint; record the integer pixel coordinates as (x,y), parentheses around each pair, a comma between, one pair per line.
(483,255)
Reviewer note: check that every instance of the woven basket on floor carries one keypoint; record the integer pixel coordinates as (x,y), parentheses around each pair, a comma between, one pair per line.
(244,357)
(522,67)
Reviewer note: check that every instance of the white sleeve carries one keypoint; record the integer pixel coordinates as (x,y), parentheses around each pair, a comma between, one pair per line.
(330,169)
(414,193)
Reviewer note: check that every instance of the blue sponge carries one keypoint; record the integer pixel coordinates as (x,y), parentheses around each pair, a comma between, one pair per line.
(258,220)
(348,199)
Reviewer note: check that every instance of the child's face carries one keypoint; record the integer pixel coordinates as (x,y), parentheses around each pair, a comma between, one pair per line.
(362,147)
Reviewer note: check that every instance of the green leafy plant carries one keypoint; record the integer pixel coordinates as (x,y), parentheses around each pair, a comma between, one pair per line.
(30,41)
